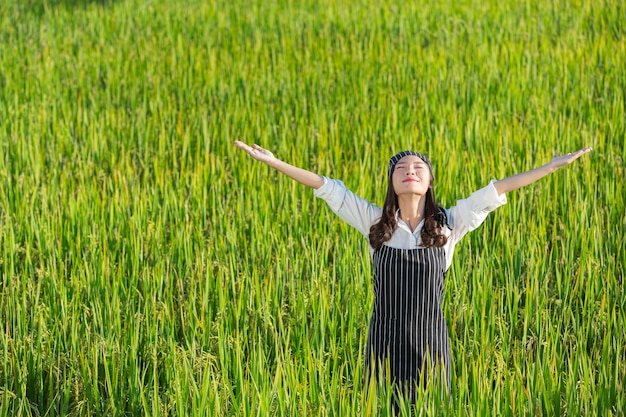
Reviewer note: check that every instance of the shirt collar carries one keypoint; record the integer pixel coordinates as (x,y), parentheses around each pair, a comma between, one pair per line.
(405,226)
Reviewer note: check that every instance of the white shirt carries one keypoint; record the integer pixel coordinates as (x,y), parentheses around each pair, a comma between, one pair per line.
(465,216)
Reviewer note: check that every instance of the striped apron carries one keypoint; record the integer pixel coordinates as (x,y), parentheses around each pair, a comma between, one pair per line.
(408,335)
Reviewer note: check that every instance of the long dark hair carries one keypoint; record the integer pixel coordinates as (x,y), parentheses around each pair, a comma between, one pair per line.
(434,221)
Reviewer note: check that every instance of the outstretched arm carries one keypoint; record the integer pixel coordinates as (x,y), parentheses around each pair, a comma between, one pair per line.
(520,180)
(303,176)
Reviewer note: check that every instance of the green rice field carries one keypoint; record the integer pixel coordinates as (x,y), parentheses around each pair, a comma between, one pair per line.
(149,267)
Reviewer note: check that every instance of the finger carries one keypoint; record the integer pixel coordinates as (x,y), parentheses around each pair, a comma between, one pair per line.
(583,151)
(241,145)
(247,149)
(578,154)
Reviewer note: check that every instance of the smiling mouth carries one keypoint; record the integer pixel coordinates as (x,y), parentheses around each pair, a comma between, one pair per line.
(410,180)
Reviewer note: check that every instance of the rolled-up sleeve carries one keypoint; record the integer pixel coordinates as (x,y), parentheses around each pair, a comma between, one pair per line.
(354,210)
(471,212)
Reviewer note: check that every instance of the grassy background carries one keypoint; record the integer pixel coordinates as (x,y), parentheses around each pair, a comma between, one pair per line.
(148,267)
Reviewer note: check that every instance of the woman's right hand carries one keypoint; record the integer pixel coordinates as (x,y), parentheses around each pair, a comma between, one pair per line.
(255,151)
(303,176)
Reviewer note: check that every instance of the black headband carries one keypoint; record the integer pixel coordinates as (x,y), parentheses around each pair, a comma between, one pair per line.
(394,160)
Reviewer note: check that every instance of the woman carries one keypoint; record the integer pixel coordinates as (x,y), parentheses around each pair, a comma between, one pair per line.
(411,241)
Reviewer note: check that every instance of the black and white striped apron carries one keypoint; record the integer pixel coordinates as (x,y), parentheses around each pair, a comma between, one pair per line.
(408,332)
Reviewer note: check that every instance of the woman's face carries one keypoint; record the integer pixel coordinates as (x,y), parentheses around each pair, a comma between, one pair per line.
(411,175)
